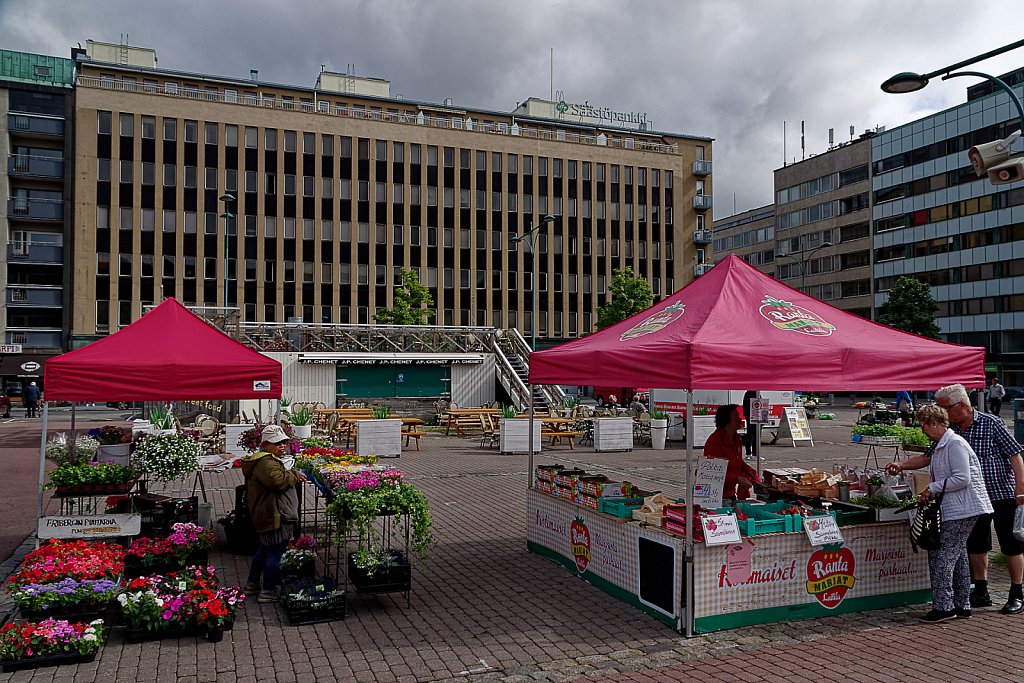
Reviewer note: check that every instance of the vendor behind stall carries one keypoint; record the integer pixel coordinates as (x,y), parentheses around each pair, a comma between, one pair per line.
(724,442)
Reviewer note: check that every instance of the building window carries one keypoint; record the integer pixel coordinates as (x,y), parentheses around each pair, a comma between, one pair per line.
(127,125)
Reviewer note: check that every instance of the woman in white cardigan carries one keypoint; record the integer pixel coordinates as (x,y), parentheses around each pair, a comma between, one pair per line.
(956,477)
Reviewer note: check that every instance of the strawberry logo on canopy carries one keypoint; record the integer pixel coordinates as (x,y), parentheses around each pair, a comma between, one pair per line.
(656,322)
(830,576)
(579,538)
(787,316)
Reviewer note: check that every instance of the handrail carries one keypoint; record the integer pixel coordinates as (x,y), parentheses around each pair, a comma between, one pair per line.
(553,393)
(518,390)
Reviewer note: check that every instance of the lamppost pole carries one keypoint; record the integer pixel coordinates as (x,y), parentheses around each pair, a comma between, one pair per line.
(803,261)
(531,238)
(227,216)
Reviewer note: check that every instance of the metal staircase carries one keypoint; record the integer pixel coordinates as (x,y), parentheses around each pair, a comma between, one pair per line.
(512,361)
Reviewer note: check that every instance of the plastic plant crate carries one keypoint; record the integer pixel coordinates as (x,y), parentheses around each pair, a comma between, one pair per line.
(764,519)
(621,507)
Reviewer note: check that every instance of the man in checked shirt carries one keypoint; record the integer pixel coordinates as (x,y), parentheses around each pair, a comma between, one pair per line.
(1003,468)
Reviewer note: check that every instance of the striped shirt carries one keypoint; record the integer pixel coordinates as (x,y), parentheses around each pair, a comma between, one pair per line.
(994,444)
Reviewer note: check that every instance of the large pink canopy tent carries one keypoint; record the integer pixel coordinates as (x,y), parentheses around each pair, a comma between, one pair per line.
(737,328)
(169,354)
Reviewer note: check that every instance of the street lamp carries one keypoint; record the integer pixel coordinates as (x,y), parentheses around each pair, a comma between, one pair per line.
(531,238)
(988,158)
(803,261)
(227,216)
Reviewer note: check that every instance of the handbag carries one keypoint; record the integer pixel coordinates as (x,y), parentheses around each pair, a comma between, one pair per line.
(926,531)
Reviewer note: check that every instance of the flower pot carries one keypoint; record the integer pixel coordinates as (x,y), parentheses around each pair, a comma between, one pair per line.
(302,431)
(391,579)
(659,431)
(215,635)
(513,435)
(116,453)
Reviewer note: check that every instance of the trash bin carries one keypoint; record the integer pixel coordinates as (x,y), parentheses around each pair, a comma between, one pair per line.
(1018,419)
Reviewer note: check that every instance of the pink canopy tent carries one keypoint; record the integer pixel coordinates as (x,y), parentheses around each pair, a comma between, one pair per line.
(736,328)
(169,354)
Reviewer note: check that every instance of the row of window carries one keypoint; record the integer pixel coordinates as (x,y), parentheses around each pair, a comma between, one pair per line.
(960,274)
(1012,303)
(743,239)
(943,148)
(921,186)
(810,214)
(966,207)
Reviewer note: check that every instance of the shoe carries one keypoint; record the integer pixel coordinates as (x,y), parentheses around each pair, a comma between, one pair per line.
(963,614)
(266,596)
(935,616)
(251,588)
(981,600)
(1013,606)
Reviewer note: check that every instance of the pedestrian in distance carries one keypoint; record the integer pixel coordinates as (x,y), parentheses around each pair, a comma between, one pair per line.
(32,395)
(955,477)
(1003,471)
(903,397)
(996,394)
(748,438)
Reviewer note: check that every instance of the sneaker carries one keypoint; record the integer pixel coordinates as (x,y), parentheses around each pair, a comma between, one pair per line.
(268,596)
(933,617)
(981,599)
(251,588)
(963,614)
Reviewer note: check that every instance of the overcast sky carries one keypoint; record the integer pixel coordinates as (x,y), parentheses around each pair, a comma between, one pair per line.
(728,69)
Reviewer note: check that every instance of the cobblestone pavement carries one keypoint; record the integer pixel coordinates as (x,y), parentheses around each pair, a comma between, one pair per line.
(484,609)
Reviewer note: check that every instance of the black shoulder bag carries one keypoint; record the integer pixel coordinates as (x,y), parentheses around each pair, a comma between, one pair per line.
(926,531)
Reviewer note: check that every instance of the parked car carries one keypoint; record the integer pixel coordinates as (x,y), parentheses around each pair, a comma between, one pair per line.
(119,405)
(5,404)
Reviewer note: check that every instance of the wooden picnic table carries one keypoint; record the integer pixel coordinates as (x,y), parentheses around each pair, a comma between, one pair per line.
(459,418)
(558,428)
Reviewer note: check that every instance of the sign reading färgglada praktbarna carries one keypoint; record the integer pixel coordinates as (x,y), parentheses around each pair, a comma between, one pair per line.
(781,570)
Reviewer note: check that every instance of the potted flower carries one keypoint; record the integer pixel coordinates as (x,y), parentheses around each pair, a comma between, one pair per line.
(115,443)
(659,428)
(162,421)
(380,436)
(95,477)
(67,598)
(188,544)
(178,603)
(61,451)
(360,498)
(313,601)
(249,439)
(301,421)
(299,559)
(168,457)
(28,645)
(514,432)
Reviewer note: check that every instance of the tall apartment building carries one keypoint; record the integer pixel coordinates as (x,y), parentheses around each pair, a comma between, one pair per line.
(816,236)
(935,220)
(340,186)
(35,110)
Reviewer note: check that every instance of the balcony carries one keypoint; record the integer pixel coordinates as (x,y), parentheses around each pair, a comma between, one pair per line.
(34,339)
(702,237)
(35,167)
(22,208)
(702,268)
(21,252)
(28,297)
(701,167)
(702,202)
(35,125)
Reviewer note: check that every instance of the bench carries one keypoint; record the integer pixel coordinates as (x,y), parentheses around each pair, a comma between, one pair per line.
(554,434)
(413,435)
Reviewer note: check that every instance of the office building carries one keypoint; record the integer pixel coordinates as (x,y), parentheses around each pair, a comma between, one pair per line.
(338,187)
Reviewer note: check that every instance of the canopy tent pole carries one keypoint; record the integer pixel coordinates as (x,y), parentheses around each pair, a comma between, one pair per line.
(42,466)
(529,472)
(688,545)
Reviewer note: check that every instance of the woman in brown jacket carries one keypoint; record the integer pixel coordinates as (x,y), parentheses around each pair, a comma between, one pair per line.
(273,508)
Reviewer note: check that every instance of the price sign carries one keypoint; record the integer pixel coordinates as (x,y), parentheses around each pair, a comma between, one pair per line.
(720,529)
(822,530)
(710,480)
(760,411)
(89,526)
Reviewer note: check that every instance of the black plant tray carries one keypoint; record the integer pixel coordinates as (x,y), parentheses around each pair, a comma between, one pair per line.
(396,579)
(143,635)
(84,612)
(299,614)
(48,660)
(133,569)
(86,490)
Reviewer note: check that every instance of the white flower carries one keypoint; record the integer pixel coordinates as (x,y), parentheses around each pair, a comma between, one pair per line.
(96,622)
(159,602)
(123,599)
(89,637)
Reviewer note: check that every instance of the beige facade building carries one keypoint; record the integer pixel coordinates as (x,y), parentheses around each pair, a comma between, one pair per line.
(337,188)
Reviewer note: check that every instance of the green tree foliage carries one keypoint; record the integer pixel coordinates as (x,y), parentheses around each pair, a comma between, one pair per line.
(629,293)
(413,303)
(910,308)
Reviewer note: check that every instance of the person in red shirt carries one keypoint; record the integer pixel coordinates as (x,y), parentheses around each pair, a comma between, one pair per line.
(725,442)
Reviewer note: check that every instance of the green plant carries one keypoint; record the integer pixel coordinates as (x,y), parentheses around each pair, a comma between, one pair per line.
(302,417)
(876,502)
(657,414)
(59,450)
(161,418)
(90,473)
(876,480)
(285,401)
(413,302)
(168,457)
(316,442)
(380,412)
(508,411)
(571,402)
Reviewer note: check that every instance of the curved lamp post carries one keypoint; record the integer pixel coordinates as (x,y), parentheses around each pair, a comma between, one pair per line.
(530,236)
(227,216)
(803,261)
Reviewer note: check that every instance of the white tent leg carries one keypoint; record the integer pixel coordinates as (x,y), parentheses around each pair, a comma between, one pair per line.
(688,572)
(529,471)
(42,465)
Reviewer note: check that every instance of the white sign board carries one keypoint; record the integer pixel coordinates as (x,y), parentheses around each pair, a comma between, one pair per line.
(10,348)
(795,425)
(760,411)
(721,529)
(822,530)
(709,482)
(90,526)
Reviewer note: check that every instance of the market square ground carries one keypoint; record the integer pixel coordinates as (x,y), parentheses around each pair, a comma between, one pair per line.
(484,609)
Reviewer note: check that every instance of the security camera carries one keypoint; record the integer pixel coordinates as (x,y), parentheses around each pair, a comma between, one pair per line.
(983,157)
(1007,172)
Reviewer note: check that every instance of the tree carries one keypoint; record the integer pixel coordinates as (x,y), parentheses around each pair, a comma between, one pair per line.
(413,303)
(629,293)
(910,308)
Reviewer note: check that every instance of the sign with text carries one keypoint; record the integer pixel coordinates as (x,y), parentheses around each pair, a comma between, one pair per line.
(10,348)
(709,482)
(721,529)
(822,530)
(760,411)
(90,526)
(795,425)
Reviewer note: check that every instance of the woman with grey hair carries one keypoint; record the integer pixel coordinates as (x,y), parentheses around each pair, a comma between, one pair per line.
(957,479)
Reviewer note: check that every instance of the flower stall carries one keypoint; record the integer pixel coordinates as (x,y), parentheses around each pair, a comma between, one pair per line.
(737,327)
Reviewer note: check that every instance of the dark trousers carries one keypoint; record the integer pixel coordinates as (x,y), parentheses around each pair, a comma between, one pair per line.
(31,408)
(994,404)
(266,564)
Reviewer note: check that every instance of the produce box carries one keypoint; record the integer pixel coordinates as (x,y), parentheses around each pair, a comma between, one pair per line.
(848,514)
(546,472)
(765,519)
(545,487)
(565,494)
(775,477)
(599,487)
(675,521)
(568,478)
(588,501)
(622,507)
